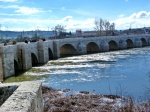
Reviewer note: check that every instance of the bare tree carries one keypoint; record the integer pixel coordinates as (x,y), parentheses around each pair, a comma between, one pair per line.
(58,30)
(106,26)
(103,25)
(99,23)
(112,28)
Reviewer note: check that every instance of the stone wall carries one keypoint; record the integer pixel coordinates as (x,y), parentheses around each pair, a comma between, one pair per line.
(1,69)
(26,98)
(22,54)
(7,60)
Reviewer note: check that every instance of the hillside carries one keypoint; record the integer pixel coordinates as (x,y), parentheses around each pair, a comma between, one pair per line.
(15,34)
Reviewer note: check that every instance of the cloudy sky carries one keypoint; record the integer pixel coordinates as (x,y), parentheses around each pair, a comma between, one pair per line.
(73,14)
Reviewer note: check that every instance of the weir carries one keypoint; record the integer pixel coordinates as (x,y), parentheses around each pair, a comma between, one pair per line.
(23,56)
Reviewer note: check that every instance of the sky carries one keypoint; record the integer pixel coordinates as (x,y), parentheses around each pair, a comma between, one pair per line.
(25,15)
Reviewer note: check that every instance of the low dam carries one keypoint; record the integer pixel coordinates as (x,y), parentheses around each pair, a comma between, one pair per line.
(22,56)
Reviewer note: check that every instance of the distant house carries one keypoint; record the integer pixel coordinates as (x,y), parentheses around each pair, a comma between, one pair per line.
(80,33)
(89,33)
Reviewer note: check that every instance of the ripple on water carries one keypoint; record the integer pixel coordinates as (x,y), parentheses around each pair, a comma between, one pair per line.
(102,72)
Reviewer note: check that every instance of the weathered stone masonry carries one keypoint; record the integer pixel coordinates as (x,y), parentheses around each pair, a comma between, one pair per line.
(26,97)
(22,56)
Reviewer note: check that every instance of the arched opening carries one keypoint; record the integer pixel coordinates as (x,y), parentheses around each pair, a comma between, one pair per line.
(67,50)
(113,45)
(34,59)
(50,54)
(144,42)
(129,43)
(16,66)
(92,47)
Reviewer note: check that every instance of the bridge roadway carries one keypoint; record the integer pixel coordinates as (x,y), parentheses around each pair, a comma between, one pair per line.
(22,56)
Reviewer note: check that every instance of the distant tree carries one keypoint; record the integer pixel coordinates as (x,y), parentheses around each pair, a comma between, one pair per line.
(70,33)
(99,25)
(102,25)
(20,38)
(59,30)
(62,34)
(35,36)
(112,28)
(106,26)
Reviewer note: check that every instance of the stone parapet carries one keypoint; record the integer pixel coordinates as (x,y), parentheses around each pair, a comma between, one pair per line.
(26,98)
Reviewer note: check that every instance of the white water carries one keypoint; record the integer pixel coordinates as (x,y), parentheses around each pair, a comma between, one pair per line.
(125,72)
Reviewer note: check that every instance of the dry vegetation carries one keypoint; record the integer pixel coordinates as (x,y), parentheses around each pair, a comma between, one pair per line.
(57,101)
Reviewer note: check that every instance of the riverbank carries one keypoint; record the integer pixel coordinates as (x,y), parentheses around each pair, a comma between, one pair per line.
(65,101)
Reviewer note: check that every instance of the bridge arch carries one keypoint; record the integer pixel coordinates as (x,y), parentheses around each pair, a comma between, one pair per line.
(144,42)
(113,45)
(16,66)
(130,43)
(67,50)
(92,47)
(50,53)
(34,59)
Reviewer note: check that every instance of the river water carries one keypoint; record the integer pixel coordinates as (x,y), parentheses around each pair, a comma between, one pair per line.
(124,72)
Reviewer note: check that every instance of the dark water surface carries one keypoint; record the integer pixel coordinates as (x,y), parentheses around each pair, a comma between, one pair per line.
(125,72)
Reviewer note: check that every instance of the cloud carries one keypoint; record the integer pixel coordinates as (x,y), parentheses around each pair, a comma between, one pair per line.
(70,23)
(24,10)
(66,19)
(85,13)
(141,14)
(8,0)
(49,11)
(63,8)
(9,7)
(135,20)
(8,14)
(73,24)
(79,12)
(27,10)
(121,15)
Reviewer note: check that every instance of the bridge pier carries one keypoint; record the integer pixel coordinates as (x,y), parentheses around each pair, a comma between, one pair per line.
(56,51)
(42,52)
(104,46)
(24,57)
(81,48)
(148,42)
(138,43)
(6,62)
(1,69)
(122,44)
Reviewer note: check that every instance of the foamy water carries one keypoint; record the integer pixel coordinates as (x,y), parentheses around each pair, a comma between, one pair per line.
(125,73)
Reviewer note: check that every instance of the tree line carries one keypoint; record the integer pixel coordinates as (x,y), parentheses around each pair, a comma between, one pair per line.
(60,31)
(104,27)
(101,26)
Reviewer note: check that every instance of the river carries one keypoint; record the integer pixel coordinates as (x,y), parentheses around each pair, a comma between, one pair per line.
(123,72)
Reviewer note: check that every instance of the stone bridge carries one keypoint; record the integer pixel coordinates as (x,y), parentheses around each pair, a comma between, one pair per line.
(22,56)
